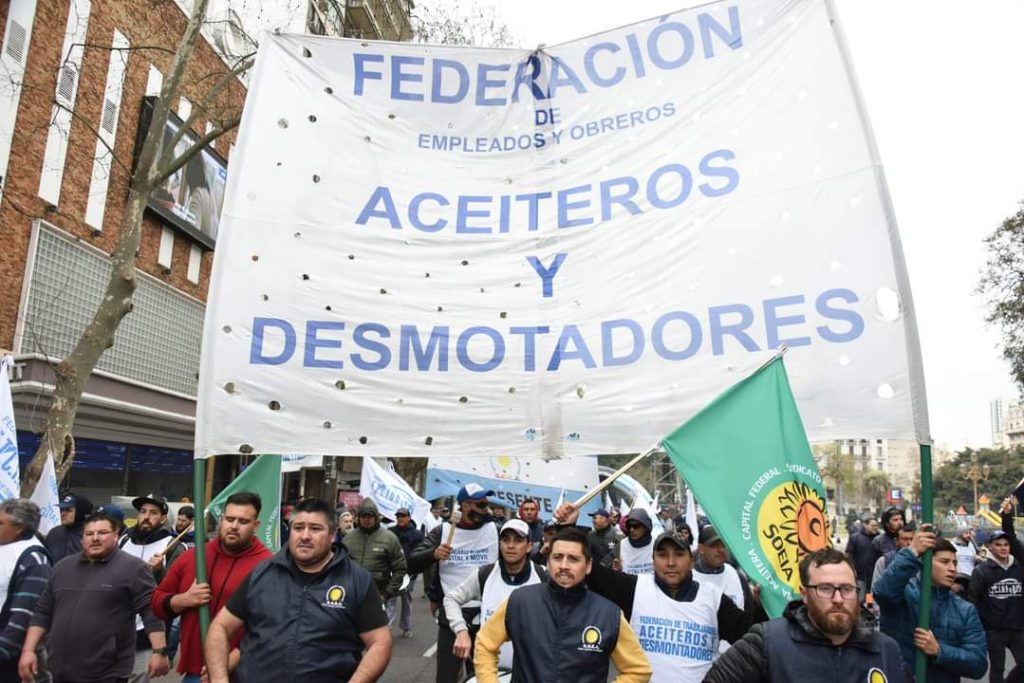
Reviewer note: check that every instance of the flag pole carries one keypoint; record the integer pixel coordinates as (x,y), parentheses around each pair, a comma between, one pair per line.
(587,497)
(925,607)
(199,502)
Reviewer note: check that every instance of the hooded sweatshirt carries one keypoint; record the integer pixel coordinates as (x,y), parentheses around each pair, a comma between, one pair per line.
(378,551)
(637,555)
(224,573)
(62,540)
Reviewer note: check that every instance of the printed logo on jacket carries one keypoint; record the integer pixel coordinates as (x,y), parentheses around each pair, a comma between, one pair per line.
(335,597)
(591,638)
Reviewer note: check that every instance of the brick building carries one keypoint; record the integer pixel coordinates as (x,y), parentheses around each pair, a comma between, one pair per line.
(75,75)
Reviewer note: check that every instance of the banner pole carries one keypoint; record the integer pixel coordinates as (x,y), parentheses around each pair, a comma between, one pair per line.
(199,495)
(587,497)
(925,609)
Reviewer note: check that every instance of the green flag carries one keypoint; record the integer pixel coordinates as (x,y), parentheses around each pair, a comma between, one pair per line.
(262,476)
(747,458)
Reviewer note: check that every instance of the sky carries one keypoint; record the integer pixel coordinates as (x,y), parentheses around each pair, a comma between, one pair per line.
(938,78)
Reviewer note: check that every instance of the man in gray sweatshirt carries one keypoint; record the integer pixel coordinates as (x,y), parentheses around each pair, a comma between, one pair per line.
(88,608)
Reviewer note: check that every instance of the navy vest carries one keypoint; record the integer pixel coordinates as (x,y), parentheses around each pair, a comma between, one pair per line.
(561,635)
(298,631)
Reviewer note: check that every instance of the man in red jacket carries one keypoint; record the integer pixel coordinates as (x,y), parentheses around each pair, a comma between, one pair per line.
(229,558)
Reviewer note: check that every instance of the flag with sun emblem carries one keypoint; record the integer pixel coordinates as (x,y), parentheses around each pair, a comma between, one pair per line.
(747,458)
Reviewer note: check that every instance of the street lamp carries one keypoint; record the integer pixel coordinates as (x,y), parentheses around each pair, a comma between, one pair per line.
(975,473)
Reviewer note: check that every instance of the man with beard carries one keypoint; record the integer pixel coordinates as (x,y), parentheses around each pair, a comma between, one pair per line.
(185,518)
(230,557)
(888,540)
(458,552)
(148,540)
(87,611)
(862,554)
(560,631)
(310,614)
(490,587)
(602,539)
(66,539)
(818,637)
(657,604)
(636,550)
(955,645)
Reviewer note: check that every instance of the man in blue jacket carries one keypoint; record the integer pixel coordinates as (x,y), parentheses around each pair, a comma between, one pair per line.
(955,645)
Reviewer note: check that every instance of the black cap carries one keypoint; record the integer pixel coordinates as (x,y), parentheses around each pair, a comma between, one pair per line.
(996,535)
(674,537)
(153,498)
(708,535)
(402,511)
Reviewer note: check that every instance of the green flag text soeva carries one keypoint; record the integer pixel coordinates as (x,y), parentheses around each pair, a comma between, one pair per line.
(747,458)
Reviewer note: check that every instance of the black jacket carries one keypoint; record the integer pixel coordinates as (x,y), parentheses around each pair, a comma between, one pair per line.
(62,541)
(791,648)
(863,555)
(604,544)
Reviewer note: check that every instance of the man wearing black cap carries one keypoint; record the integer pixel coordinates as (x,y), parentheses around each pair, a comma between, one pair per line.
(997,590)
(679,618)
(66,539)
(409,537)
(458,551)
(148,541)
(602,539)
(712,566)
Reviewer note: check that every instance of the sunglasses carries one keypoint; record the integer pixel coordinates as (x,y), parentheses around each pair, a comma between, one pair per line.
(634,525)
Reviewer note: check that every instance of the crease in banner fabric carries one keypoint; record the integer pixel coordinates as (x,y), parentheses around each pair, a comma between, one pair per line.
(262,476)
(747,459)
(390,492)
(441,251)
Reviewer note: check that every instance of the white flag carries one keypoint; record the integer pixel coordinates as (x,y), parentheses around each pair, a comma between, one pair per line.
(47,498)
(561,498)
(607,501)
(623,508)
(390,492)
(691,518)
(10,470)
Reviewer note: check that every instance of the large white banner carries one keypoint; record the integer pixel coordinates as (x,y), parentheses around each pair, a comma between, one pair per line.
(451,251)
(10,467)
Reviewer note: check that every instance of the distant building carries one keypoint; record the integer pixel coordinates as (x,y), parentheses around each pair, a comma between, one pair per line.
(1013,426)
(996,418)
(365,19)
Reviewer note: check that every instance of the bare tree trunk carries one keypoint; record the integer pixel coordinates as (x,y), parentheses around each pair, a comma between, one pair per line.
(74,371)
(410,469)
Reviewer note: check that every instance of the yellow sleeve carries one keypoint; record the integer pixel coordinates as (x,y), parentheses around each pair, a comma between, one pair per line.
(629,657)
(489,639)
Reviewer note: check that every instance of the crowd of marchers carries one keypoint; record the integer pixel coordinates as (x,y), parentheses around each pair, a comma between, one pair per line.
(513,598)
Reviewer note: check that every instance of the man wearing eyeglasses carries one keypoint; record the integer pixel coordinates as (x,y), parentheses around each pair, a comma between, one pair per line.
(458,552)
(88,608)
(818,636)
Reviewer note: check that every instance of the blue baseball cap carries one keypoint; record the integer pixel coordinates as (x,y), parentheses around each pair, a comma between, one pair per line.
(599,511)
(69,501)
(473,491)
(112,510)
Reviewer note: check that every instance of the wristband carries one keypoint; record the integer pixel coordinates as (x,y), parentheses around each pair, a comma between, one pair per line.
(162,651)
